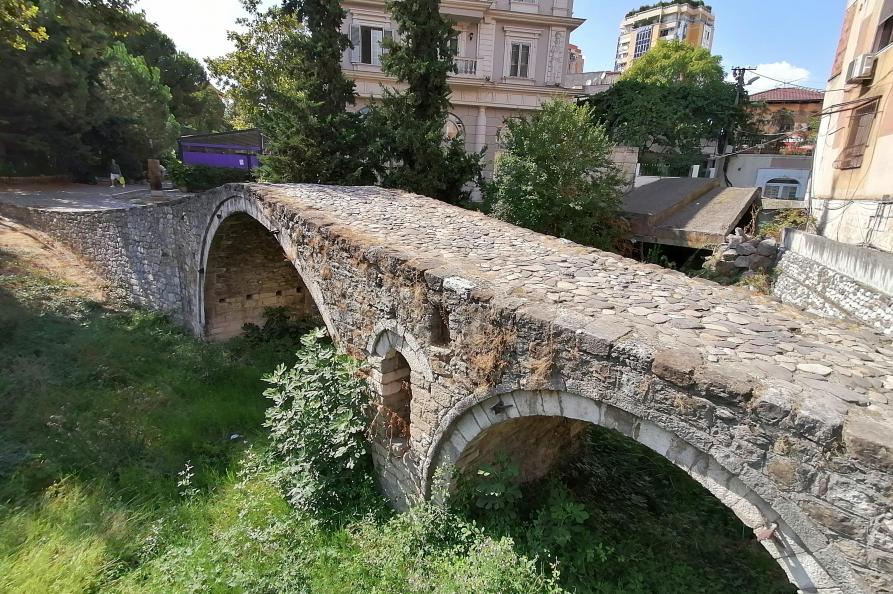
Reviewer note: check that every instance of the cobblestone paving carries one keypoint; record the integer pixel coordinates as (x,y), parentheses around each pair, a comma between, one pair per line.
(663,307)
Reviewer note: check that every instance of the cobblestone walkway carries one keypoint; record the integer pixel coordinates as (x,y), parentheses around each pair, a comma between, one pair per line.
(663,307)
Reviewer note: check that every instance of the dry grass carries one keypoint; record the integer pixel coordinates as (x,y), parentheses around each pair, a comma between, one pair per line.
(486,354)
(541,363)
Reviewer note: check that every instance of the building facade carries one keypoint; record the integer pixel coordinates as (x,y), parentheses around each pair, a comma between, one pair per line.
(690,21)
(575,61)
(512,57)
(787,109)
(853,184)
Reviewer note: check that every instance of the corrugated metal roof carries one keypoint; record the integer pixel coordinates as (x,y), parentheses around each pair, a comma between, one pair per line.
(788,94)
(247,138)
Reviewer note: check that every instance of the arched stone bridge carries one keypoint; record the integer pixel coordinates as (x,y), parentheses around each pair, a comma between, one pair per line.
(482,336)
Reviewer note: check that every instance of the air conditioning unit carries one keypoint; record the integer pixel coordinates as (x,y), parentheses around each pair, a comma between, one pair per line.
(861,69)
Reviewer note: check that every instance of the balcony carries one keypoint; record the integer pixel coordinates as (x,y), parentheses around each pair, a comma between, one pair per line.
(466,66)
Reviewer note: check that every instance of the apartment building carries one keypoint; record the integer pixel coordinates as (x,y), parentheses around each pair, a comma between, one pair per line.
(690,21)
(852,197)
(512,57)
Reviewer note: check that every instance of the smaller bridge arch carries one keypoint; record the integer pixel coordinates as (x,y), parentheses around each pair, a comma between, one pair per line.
(246,264)
(537,426)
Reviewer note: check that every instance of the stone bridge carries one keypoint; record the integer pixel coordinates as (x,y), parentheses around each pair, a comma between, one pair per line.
(484,337)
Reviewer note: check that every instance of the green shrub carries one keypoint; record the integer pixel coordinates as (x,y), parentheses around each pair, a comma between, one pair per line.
(317,428)
(791,218)
(198,178)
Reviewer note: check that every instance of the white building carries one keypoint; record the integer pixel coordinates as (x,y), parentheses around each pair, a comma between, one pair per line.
(512,57)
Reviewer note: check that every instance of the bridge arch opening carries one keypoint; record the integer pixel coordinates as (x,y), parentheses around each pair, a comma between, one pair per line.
(246,272)
(540,430)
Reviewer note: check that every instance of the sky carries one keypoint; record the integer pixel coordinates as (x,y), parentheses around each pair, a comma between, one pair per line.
(788,40)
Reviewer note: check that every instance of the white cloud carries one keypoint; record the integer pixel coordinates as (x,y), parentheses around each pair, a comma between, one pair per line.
(779,71)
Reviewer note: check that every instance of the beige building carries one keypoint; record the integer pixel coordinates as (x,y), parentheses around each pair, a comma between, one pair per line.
(853,182)
(690,21)
(512,57)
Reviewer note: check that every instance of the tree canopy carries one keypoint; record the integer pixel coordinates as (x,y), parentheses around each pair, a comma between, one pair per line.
(412,151)
(671,62)
(671,101)
(103,83)
(18,25)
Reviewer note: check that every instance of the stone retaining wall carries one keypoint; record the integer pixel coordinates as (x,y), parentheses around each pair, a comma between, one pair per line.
(820,276)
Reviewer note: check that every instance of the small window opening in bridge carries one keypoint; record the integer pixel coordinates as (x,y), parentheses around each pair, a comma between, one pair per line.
(439,325)
(249,296)
(396,396)
(279,293)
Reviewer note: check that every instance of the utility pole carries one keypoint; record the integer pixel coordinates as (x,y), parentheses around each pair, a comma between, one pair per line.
(739,72)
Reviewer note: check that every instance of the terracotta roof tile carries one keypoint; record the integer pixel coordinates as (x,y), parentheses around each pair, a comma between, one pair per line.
(794,94)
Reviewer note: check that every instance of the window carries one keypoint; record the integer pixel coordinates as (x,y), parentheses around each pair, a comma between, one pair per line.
(884,35)
(367,44)
(857,140)
(519,65)
(782,188)
(643,42)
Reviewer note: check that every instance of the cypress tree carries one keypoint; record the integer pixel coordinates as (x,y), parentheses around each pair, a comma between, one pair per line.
(312,137)
(409,125)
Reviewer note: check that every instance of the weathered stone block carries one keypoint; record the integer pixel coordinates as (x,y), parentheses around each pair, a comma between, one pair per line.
(676,366)
(870,440)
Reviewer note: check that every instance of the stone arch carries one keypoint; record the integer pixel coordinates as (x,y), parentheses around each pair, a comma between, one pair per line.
(399,375)
(261,258)
(796,545)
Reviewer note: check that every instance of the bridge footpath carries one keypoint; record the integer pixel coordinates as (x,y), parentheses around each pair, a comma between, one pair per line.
(785,417)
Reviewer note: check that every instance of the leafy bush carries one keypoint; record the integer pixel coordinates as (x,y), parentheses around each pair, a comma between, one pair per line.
(317,428)
(791,218)
(556,176)
(198,178)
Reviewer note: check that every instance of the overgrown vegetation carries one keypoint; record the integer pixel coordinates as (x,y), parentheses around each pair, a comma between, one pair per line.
(792,218)
(617,518)
(198,178)
(134,460)
(556,176)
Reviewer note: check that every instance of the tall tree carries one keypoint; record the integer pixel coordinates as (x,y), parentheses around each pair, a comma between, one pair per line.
(409,125)
(311,135)
(556,176)
(671,62)
(255,71)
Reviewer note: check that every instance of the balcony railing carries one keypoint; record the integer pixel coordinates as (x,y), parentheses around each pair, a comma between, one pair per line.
(466,66)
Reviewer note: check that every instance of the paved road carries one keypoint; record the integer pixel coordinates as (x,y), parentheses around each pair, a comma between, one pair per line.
(80,197)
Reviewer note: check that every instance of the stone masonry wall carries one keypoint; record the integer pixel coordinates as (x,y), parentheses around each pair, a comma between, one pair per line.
(784,418)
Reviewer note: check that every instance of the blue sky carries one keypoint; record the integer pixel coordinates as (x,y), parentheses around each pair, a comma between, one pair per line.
(792,40)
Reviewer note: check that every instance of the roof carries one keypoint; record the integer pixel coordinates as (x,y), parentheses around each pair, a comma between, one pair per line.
(789,95)
(248,138)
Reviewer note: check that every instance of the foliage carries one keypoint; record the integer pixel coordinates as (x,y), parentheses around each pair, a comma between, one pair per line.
(673,119)
(135,122)
(198,178)
(407,126)
(695,3)
(311,135)
(17,24)
(670,62)
(791,218)
(317,424)
(556,176)
(256,68)
(617,518)
(86,94)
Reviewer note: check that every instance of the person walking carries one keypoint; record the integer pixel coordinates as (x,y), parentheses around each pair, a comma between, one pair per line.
(115,175)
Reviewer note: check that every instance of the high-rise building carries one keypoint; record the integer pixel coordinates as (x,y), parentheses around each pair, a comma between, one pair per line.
(690,21)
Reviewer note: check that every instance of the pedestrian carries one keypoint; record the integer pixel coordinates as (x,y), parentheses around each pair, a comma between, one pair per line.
(115,175)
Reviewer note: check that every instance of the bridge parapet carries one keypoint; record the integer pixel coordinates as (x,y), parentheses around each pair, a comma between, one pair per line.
(783,416)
